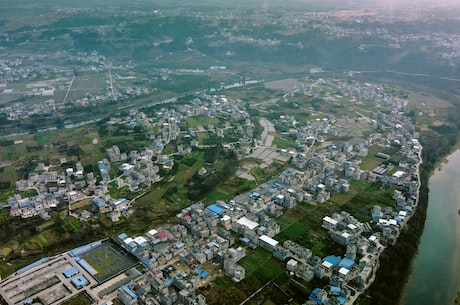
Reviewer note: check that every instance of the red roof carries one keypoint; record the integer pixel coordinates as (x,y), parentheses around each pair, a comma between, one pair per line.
(161,234)
(187,217)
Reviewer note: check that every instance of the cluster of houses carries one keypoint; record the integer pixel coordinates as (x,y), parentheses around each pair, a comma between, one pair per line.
(176,257)
(140,169)
(179,258)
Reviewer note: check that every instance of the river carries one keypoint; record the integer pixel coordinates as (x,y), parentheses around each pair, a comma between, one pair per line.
(435,276)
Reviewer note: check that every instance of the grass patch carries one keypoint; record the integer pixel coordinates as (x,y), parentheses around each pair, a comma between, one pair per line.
(285,221)
(29,193)
(43,137)
(202,136)
(79,299)
(295,230)
(214,196)
(72,224)
(371,163)
(342,198)
(223,282)
(119,192)
(39,241)
(201,121)
(45,225)
(261,266)
(283,142)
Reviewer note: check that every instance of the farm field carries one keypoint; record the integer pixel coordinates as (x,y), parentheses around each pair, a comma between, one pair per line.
(108,260)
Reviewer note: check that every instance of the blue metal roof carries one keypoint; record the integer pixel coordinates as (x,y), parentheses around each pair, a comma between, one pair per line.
(70,272)
(332,259)
(169,282)
(335,290)
(347,263)
(40,261)
(86,266)
(216,209)
(129,291)
(313,296)
(27,204)
(79,281)
(79,250)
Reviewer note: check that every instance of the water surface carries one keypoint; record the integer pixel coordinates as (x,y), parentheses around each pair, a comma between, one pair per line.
(435,276)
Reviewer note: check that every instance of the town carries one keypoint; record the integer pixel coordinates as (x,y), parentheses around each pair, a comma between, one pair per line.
(170,263)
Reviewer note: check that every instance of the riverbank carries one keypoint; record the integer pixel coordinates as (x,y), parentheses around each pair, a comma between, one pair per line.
(457,298)
(433,279)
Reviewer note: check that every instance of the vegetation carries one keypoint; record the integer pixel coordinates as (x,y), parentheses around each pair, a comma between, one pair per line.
(79,299)
(302,47)
(393,266)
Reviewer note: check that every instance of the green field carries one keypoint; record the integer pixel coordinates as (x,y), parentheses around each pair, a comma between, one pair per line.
(38,242)
(202,121)
(45,225)
(216,195)
(260,265)
(108,259)
(283,142)
(72,224)
(79,299)
(372,161)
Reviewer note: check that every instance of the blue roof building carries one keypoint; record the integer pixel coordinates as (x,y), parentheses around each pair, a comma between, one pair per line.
(40,261)
(70,272)
(79,281)
(332,260)
(319,296)
(27,204)
(347,263)
(129,291)
(169,282)
(215,209)
(86,266)
(335,290)
(103,168)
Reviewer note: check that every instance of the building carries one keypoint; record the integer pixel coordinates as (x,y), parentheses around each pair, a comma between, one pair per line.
(267,243)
